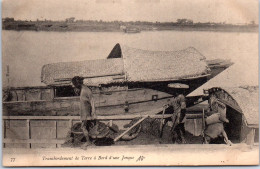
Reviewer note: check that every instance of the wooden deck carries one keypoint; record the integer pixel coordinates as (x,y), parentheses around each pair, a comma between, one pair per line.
(53,129)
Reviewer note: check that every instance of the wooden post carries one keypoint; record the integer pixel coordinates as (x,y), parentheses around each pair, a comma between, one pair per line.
(250,138)
(70,123)
(56,132)
(8,76)
(24,95)
(162,123)
(29,132)
(70,126)
(195,126)
(52,95)
(203,125)
(41,93)
(110,123)
(3,129)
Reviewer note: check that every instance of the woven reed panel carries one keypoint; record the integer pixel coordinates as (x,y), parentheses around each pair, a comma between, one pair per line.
(143,65)
(247,99)
(67,70)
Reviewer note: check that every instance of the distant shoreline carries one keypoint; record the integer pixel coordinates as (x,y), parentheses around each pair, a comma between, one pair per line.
(116,31)
(116,26)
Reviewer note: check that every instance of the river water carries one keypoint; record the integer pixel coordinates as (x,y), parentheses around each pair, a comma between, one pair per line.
(27,51)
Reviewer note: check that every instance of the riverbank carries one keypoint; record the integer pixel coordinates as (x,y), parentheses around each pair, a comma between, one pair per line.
(99,26)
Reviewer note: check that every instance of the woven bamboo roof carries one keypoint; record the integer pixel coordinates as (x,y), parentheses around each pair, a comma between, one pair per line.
(247,99)
(57,73)
(137,65)
(144,65)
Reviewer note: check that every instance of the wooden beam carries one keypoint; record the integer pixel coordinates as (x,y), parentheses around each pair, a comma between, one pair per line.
(255,126)
(203,123)
(40,117)
(115,117)
(39,141)
(70,123)
(250,138)
(33,87)
(112,117)
(77,99)
(56,132)
(193,116)
(196,77)
(29,131)
(4,131)
(195,126)
(104,75)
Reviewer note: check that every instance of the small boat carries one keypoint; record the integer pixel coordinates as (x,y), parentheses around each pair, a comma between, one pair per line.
(132,30)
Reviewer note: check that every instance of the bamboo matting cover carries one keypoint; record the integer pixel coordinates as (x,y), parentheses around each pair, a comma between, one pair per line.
(136,65)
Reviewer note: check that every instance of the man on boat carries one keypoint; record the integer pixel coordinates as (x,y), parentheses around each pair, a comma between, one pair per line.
(215,131)
(178,118)
(87,107)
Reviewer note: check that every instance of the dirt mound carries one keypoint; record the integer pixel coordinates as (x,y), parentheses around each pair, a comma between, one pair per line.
(147,133)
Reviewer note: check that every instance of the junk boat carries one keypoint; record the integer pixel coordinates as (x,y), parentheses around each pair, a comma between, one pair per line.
(129,83)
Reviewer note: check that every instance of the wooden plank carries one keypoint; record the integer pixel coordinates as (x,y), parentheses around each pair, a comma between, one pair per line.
(52,94)
(193,116)
(250,138)
(34,141)
(135,108)
(41,117)
(131,96)
(119,99)
(29,131)
(117,117)
(142,107)
(43,129)
(195,125)
(196,77)
(63,128)
(110,123)
(71,107)
(70,123)
(15,102)
(104,75)
(255,126)
(152,114)
(203,123)
(144,95)
(56,131)
(17,129)
(114,117)
(34,94)
(33,87)
(4,130)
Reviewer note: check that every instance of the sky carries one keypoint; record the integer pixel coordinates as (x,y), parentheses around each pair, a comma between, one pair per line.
(229,11)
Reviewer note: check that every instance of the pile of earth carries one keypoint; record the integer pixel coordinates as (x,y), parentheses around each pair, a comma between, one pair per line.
(146,133)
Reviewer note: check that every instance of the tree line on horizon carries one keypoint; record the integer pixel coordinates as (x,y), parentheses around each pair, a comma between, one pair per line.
(183,21)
